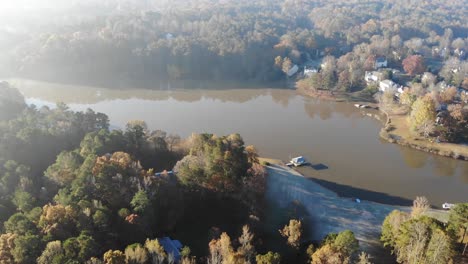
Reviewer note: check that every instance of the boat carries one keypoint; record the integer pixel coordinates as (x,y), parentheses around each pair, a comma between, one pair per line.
(297,161)
(447,205)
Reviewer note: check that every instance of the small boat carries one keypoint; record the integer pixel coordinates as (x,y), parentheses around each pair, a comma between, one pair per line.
(297,161)
(447,205)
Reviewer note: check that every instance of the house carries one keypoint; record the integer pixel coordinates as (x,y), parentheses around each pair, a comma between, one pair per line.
(293,70)
(372,76)
(169,36)
(309,71)
(390,85)
(380,62)
(171,247)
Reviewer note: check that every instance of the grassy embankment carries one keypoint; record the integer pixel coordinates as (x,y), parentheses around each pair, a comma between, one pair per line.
(396,130)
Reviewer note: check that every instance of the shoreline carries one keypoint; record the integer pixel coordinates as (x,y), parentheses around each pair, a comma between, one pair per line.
(440,149)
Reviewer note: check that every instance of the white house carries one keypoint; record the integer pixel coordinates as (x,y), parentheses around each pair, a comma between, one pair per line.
(389,85)
(309,71)
(293,70)
(380,62)
(372,76)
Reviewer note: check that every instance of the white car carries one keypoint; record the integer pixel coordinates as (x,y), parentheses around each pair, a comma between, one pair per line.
(447,205)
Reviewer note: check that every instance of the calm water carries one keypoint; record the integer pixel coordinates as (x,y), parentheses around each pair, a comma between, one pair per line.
(341,141)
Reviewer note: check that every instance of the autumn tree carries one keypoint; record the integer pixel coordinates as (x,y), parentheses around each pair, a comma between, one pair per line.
(423,113)
(57,221)
(155,250)
(7,244)
(364,258)
(448,95)
(136,254)
(268,258)
(286,66)
(328,255)
(414,64)
(293,232)
(221,250)
(114,257)
(252,154)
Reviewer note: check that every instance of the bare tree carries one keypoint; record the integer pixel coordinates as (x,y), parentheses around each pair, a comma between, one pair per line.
(420,206)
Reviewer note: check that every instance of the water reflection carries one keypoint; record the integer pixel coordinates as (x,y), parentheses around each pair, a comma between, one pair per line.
(465,172)
(281,97)
(444,166)
(414,159)
(79,94)
(281,124)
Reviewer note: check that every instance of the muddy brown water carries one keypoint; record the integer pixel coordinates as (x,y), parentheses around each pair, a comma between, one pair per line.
(340,141)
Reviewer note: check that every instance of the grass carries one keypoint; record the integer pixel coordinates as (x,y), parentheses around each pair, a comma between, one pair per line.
(398,131)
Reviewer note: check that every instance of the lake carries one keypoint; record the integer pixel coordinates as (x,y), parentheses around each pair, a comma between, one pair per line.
(339,140)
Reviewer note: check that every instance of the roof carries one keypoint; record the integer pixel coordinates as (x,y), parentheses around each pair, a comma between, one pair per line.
(171,246)
(293,70)
(298,159)
(381,59)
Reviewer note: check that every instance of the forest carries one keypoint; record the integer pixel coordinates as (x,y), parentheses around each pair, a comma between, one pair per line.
(139,43)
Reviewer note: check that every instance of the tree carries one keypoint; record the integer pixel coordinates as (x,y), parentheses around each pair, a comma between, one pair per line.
(136,254)
(252,154)
(286,66)
(245,240)
(364,258)
(278,62)
(24,201)
(155,250)
(57,221)
(7,244)
(52,254)
(328,255)
(448,95)
(420,206)
(19,224)
(414,64)
(64,170)
(27,248)
(293,232)
(439,249)
(391,227)
(423,113)
(140,202)
(346,243)
(221,251)
(268,258)
(458,224)
(114,257)
(407,98)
